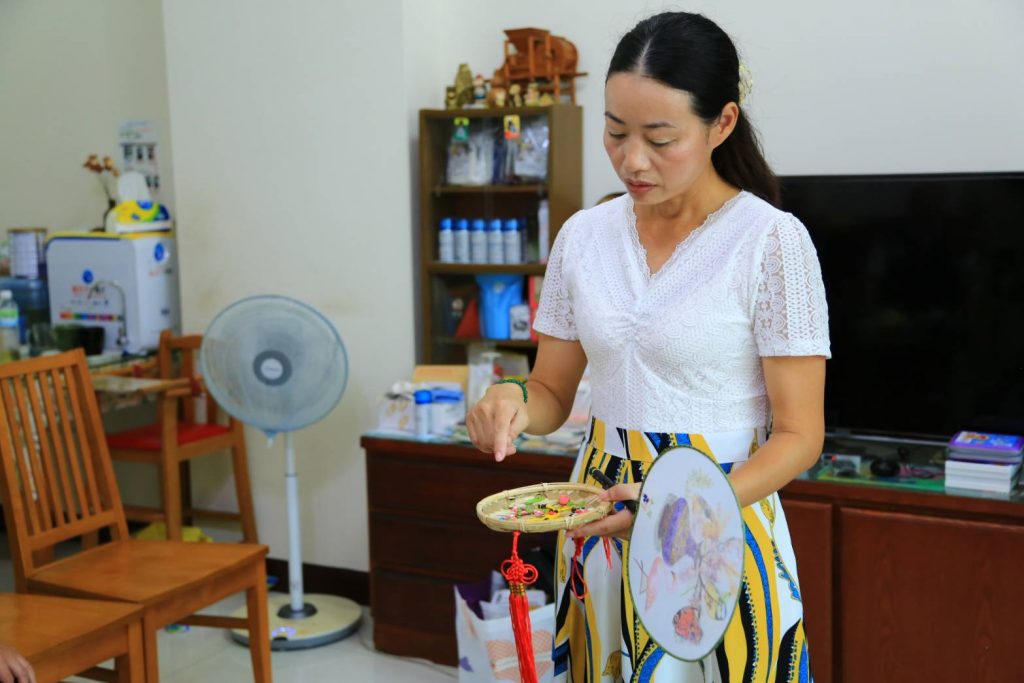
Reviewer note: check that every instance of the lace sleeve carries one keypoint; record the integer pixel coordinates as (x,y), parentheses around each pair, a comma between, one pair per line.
(790,312)
(555,315)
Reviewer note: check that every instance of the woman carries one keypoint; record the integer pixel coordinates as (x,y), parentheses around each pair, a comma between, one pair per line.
(700,309)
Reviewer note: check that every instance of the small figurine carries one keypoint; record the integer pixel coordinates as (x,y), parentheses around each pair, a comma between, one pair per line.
(532,96)
(546,100)
(515,95)
(479,91)
(464,86)
(497,95)
(450,98)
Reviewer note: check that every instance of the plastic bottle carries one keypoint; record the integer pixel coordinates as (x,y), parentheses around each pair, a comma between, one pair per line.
(478,242)
(445,242)
(543,231)
(421,412)
(10,334)
(495,243)
(513,246)
(448,409)
(462,241)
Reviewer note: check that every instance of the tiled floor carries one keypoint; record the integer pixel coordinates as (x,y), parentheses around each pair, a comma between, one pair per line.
(202,655)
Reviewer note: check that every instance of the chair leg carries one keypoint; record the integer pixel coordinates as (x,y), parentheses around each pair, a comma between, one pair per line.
(185,476)
(259,626)
(131,666)
(170,490)
(243,487)
(150,657)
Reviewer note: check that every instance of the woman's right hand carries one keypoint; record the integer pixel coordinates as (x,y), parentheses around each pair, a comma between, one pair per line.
(497,419)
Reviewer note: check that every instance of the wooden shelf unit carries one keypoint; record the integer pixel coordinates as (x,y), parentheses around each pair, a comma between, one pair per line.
(563,190)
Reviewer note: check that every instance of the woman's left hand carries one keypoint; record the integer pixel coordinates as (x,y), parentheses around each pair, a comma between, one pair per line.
(618,524)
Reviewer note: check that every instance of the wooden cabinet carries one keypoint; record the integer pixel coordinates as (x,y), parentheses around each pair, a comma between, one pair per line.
(425,536)
(444,286)
(908,586)
(810,527)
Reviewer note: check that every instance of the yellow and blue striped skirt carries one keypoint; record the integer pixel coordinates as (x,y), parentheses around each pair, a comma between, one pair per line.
(599,639)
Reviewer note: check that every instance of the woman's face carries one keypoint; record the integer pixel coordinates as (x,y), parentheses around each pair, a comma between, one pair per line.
(658,146)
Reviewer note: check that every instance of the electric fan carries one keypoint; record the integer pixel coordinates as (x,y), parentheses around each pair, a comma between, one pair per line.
(277,364)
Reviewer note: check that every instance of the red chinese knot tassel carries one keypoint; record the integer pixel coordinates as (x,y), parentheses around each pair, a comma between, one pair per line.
(519,575)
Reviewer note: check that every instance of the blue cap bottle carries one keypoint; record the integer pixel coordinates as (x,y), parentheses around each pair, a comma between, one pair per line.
(462,240)
(495,242)
(445,242)
(478,242)
(512,241)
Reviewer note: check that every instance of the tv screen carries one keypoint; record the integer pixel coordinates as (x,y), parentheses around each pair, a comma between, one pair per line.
(924,276)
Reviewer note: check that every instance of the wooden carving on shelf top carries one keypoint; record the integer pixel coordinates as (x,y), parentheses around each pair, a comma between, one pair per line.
(534,55)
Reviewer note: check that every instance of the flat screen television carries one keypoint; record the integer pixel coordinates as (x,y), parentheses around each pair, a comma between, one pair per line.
(924,276)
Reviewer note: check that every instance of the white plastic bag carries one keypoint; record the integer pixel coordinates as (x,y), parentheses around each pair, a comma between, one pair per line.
(470,162)
(487,648)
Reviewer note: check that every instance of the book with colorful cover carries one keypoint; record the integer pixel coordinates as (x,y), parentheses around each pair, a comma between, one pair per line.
(982,470)
(989,444)
(984,458)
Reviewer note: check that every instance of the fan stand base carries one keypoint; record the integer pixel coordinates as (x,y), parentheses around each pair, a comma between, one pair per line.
(335,618)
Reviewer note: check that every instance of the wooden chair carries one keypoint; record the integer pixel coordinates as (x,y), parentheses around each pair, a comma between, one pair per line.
(62,637)
(175,439)
(57,483)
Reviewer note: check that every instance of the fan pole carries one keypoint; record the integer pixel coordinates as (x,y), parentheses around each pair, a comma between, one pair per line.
(291,476)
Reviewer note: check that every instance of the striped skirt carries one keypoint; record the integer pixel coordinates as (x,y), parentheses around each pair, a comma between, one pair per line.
(599,639)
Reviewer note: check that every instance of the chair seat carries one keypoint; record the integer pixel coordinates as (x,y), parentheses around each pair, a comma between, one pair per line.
(148,438)
(144,572)
(39,625)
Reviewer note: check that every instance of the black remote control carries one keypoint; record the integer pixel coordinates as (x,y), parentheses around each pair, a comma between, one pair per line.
(607,483)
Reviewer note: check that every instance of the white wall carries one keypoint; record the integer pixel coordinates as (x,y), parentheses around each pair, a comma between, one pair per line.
(292,170)
(70,73)
(871,86)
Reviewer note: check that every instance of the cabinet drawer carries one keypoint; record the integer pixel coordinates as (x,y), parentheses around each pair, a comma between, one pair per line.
(413,602)
(463,552)
(443,490)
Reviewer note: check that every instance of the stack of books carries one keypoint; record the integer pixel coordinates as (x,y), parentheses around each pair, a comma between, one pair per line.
(984,462)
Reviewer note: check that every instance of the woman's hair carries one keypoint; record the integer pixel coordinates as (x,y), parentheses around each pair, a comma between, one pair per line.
(690,52)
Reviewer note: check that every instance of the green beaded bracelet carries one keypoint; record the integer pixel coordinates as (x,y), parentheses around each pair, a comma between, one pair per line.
(522,385)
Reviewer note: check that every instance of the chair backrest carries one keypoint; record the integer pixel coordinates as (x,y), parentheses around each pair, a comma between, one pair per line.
(186,348)
(179,357)
(56,475)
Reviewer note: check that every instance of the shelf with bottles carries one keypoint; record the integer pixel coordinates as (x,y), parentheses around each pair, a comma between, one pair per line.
(539,192)
(512,241)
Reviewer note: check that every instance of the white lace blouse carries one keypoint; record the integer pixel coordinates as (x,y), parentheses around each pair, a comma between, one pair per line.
(680,351)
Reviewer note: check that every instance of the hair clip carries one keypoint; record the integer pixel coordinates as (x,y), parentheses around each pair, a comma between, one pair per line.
(746,83)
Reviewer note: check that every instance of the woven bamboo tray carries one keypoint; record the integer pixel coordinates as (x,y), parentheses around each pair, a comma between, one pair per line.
(492,509)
